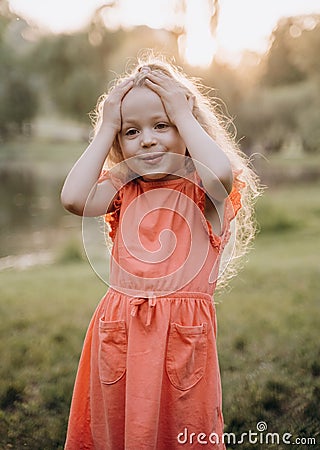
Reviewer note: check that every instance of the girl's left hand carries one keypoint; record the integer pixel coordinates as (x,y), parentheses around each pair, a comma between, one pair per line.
(175,101)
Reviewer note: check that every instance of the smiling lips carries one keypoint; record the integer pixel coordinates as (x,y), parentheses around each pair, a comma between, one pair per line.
(153,157)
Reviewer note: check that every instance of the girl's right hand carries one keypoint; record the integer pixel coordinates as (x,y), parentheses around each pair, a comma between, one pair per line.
(111,113)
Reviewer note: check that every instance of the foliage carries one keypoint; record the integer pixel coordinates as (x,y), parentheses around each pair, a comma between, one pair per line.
(292,55)
(80,64)
(288,112)
(18,100)
(281,67)
(273,105)
(73,72)
(281,109)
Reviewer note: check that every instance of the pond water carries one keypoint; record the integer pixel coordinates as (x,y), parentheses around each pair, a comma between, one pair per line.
(32,219)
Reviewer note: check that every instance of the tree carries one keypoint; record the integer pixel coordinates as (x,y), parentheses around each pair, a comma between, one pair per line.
(77,67)
(306,46)
(18,100)
(72,70)
(280,65)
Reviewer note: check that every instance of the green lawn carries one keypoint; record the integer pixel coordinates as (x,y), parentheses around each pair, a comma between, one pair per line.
(269,341)
(269,322)
(268,334)
(44,315)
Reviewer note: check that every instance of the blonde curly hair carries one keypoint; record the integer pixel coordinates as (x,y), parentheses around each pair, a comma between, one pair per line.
(207,111)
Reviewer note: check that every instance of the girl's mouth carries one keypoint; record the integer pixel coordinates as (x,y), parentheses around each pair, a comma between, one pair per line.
(153,158)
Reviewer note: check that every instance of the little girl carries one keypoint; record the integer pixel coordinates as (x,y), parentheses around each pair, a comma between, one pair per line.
(148,376)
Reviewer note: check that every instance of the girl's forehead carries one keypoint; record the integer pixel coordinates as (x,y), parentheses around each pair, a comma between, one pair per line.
(141,100)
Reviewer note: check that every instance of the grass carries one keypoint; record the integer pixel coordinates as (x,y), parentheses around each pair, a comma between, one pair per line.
(45,312)
(268,333)
(268,323)
(268,343)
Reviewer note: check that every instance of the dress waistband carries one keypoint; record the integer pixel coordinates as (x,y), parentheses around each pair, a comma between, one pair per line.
(136,302)
(152,297)
(134,294)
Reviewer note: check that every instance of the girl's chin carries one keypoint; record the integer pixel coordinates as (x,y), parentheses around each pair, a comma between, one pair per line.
(168,168)
(158,176)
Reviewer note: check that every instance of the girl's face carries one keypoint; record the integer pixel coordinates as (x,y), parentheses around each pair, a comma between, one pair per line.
(148,135)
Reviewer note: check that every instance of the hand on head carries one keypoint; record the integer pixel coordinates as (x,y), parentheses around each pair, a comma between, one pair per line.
(144,69)
(111,113)
(175,99)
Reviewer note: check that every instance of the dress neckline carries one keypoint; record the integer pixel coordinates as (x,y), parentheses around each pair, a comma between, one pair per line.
(173,182)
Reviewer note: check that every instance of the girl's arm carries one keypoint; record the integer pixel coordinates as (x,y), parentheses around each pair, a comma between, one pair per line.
(212,164)
(81,194)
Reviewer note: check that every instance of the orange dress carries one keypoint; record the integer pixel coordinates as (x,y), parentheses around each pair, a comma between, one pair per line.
(148,376)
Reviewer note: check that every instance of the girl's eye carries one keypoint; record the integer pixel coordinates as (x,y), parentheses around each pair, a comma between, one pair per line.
(131,132)
(162,126)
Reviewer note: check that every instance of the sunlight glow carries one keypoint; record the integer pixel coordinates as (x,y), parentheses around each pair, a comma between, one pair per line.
(197,50)
(197,45)
(242,24)
(128,13)
(56,15)
(248,24)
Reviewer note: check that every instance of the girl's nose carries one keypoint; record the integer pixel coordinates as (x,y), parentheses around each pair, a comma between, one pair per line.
(148,139)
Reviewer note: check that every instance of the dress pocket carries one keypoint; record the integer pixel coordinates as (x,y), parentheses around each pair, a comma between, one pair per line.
(112,351)
(186,355)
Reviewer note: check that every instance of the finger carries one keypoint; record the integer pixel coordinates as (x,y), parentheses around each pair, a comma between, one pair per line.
(159,74)
(121,89)
(122,85)
(126,81)
(125,85)
(165,83)
(158,79)
(154,86)
(161,78)
(126,88)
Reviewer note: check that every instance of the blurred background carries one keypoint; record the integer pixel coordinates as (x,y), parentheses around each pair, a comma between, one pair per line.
(261,61)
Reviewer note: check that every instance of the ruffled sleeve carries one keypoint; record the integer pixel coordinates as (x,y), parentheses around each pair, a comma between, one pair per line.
(112,218)
(232,206)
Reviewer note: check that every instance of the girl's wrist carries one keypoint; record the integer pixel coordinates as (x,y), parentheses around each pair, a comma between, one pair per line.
(107,130)
(103,140)
(184,119)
